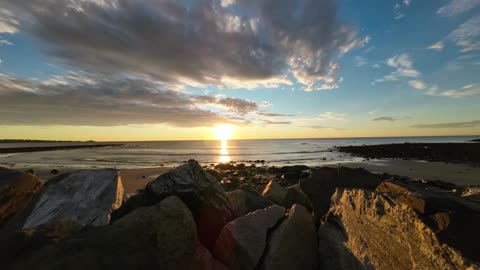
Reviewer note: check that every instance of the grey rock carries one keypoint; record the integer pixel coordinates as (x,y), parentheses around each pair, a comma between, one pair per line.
(242,241)
(274,192)
(293,244)
(88,197)
(295,195)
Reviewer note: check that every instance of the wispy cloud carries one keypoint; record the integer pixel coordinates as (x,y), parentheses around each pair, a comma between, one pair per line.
(323,127)
(360,61)
(332,116)
(457,7)
(388,119)
(403,66)
(467,90)
(438,46)
(469,124)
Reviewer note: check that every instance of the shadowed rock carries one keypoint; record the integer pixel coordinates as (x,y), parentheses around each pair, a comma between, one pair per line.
(323,182)
(295,195)
(88,197)
(242,242)
(246,200)
(384,234)
(293,244)
(197,189)
(274,192)
(17,189)
(162,236)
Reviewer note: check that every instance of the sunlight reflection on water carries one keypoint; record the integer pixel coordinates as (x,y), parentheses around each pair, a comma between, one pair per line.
(224,157)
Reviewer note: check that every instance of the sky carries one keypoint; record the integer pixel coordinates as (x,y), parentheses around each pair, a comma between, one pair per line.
(113,70)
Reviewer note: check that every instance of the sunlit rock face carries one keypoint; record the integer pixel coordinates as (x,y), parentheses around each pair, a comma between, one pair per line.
(383,233)
(87,197)
(17,189)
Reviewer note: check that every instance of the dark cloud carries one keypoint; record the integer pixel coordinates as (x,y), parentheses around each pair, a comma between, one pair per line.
(245,44)
(470,124)
(270,122)
(388,119)
(83,99)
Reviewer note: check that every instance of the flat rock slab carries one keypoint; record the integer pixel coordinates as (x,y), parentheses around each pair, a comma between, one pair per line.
(246,200)
(242,242)
(293,244)
(87,197)
(274,192)
(17,189)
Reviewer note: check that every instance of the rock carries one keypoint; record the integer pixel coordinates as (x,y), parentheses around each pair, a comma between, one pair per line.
(17,189)
(158,237)
(274,192)
(453,218)
(197,189)
(87,196)
(472,193)
(293,244)
(242,241)
(322,184)
(54,171)
(203,260)
(295,195)
(384,234)
(246,201)
(332,251)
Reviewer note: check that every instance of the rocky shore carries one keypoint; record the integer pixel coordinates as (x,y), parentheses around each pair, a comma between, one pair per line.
(233,216)
(445,152)
(52,148)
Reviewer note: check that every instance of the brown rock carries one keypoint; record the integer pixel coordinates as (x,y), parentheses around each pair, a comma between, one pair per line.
(17,189)
(242,241)
(293,244)
(383,234)
(274,192)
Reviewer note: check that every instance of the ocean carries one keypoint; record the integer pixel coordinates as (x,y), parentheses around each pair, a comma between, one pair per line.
(278,152)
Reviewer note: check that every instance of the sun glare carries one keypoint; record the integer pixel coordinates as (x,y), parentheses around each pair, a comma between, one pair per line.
(223,132)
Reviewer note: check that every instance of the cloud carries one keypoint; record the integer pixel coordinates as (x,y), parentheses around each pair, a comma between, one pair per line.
(466,35)
(263,43)
(360,61)
(470,124)
(418,84)
(403,66)
(437,46)
(376,66)
(388,119)
(332,116)
(269,122)
(467,90)
(89,100)
(321,127)
(457,7)
(8,23)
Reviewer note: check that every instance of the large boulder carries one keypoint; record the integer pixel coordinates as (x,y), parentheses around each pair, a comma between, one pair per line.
(321,185)
(453,218)
(17,189)
(88,197)
(246,200)
(242,242)
(197,189)
(203,260)
(293,244)
(385,234)
(332,252)
(274,192)
(162,236)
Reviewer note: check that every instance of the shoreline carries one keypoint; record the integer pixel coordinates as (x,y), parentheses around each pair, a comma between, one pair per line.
(51,148)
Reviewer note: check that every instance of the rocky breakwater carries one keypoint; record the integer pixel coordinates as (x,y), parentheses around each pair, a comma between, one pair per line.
(333,219)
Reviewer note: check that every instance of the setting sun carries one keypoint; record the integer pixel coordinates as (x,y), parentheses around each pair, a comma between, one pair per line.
(223,132)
